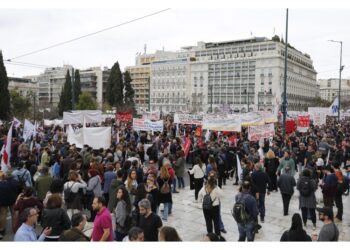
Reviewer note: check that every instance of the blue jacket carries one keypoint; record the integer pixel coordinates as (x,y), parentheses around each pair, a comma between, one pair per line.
(251,205)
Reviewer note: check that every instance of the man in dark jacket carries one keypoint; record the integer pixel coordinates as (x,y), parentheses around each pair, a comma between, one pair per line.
(261,180)
(286,184)
(9,191)
(329,187)
(76,232)
(247,230)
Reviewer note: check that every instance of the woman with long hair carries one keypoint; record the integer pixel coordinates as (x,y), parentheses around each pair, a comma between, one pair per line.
(198,172)
(122,213)
(211,193)
(180,168)
(93,189)
(168,234)
(55,188)
(75,185)
(56,217)
(296,231)
(164,196)
(271,164)
(131,184)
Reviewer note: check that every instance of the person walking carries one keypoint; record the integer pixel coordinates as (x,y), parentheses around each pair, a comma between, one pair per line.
(164,195)
(307,199)
(286,184)
(43,183)
(262,182)
(296,231)
(210,195)
(149,222)
(198,172)
(180,169)
(245,213)
(271,164)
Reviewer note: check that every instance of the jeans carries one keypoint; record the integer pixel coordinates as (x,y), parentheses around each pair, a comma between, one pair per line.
(198,184)
(339,204)
(174,185)
(166,211)
(286,199)
(221,224)
(181,182)
(246,231)
(312,212)
(261,205)
(212,217)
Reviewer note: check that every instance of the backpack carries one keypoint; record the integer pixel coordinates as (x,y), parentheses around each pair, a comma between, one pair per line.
(165,189)
(239,212)
(22,180)
(207,202)
(344,186)
(68,194)
(305,187)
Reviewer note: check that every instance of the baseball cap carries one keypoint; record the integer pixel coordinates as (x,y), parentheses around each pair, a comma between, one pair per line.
(326,211)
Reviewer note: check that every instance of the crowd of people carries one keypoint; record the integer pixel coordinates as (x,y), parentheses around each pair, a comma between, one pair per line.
(120,189)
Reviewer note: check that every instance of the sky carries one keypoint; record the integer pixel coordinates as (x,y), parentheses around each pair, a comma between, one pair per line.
(23,30)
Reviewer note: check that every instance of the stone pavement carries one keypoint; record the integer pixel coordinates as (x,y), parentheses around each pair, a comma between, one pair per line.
(188,219)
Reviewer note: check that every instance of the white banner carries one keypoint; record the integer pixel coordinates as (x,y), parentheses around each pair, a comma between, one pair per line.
(77,117)
(147,125)
(28,130)
(151,115)
(196,119)
(318,115)
(257,133)
(96,138)
(222,123)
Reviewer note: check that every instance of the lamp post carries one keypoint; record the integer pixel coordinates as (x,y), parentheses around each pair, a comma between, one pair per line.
(341,67)
(284,103)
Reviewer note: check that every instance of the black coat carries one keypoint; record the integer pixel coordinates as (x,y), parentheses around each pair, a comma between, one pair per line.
(260,179)
(56,218)
(9,190)
(294,235)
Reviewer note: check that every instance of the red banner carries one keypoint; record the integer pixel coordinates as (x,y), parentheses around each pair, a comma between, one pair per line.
(199,132)
(187,146)
(123,116)
(290,126)
(303,123)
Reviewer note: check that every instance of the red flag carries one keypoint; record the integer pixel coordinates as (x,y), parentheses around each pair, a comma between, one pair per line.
(6,154)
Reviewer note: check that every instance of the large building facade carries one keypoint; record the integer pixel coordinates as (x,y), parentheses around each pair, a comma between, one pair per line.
(91,81)
(329,89)
(25,87)
(236,76)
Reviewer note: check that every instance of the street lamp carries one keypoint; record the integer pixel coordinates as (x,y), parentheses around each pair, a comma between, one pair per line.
(340,70)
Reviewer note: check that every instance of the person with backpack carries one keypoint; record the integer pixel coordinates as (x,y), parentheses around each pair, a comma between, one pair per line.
(307,199)
(342,187)
(164,195)
(210,195)
(72,191)
(23,176)
(245,213)
(286,184)
(122,214)
(296,231)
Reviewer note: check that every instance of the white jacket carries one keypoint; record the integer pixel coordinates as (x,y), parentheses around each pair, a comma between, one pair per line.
(198,172)
(216,194)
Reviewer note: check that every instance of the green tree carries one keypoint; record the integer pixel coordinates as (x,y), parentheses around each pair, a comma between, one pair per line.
(20,105)
(129,92)
(66,96)
(115,87)
(5,106)
(77,85)
(86,102)
(276,38)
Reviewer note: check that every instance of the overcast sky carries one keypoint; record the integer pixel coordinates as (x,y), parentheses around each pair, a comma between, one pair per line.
(25,30)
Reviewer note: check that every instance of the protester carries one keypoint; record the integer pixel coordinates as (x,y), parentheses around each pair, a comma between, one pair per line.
(198,171)
(168,234)
(149,222)
(122,213)
(164,195)
(79,221)
(43,183)
(329,231)
(136,234)
(103,229)
(296,231)
(286,184)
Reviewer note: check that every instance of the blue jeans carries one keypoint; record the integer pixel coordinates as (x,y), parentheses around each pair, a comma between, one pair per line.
(222,226)
(246,231)
(174,185)
(261,205)
(166,211)
(181,182)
